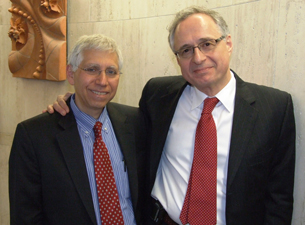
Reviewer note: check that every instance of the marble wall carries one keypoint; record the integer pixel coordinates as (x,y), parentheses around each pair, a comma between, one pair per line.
(269,45)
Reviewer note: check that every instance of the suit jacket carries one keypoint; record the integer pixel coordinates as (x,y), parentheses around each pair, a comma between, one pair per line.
(262,151)
(48,181)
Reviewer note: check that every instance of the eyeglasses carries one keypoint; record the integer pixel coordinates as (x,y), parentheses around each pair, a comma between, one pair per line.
(205,46)
(95,71)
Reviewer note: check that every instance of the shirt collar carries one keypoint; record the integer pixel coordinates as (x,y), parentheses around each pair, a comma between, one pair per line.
(226,96)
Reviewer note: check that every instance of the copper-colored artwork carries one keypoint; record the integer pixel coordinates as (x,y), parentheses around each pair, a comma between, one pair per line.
(38,35)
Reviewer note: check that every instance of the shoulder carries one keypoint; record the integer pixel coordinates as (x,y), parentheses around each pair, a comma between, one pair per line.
(46,118)
(159,86)
(117,110)
(40,120)
(165,81)
(124,114)
(270,102)
(46,124)
(111,106)
(264,92)
(38,129)
(260,92)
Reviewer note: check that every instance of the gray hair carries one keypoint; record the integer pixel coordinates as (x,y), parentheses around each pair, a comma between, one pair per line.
(93,42)
(185,13)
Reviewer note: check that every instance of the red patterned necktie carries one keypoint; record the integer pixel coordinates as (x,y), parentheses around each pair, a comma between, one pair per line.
(199,205)
(109,203)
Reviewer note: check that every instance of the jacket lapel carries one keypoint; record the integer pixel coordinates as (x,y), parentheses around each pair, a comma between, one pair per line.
(124,131)
(243,123)
(71,147)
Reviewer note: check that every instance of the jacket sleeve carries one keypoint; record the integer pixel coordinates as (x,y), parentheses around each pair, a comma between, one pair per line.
(279,201)
(24,181)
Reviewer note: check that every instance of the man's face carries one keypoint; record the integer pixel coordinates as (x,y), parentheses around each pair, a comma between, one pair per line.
(93,92)
(209,72)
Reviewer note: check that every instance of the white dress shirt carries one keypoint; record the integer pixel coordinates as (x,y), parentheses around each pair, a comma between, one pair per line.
(177,157)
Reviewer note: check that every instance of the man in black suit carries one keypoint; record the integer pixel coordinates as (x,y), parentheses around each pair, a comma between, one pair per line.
(51,167)
(255,131)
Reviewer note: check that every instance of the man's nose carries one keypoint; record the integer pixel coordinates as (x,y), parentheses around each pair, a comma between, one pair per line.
(102,78)
(198,55)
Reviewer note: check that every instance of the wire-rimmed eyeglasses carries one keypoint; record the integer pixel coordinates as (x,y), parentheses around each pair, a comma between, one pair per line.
(205,46)
(95,71)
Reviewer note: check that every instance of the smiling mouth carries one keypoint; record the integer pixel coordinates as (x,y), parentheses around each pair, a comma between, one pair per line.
(99,93)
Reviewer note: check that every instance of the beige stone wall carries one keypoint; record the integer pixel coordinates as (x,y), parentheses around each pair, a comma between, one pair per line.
(269,45)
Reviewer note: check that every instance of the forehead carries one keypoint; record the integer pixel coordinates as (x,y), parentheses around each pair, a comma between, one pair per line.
(194,28)
(99,57)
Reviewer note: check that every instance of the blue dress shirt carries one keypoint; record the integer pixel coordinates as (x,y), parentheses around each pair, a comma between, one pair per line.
(85,125)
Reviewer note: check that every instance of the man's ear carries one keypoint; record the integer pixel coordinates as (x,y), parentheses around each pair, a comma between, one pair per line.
(70,74)
(177,58)
(229,44)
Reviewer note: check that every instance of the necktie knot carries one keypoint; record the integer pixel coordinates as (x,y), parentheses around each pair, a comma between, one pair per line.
(209,105)
(97,129)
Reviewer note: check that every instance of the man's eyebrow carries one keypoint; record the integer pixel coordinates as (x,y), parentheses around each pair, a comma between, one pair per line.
(206,39)
(99,66)
(199,41)
(92,65)
(185,46)
(112,67)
